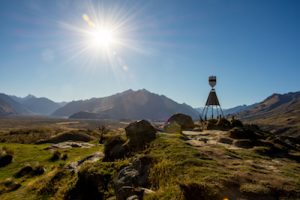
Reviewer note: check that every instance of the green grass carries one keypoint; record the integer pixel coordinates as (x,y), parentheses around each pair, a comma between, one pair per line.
(216,170)
(33,154)
(211,171)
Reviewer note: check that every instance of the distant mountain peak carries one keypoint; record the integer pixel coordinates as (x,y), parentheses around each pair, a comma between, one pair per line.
(130,104)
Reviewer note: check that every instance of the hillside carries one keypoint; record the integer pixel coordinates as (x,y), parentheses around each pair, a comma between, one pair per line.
(135,161)
(8,106)
(38,105)
(230,111)
(130,104)
(282,110)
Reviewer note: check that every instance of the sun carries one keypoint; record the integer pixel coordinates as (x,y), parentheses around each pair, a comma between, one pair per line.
(100,36)
(103,37)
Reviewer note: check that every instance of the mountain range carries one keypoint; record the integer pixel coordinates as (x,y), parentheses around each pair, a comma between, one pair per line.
(230,111)
(140,104)
(29,105)
(279,109)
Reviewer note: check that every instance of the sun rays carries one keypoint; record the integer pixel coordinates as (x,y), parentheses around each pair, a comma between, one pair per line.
(100,36)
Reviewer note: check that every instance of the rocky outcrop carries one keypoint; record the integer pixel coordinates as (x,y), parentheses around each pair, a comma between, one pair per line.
(140,134)
(133,179)
(185,121)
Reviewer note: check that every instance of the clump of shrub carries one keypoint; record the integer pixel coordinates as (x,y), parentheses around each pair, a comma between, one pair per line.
(56,155)
(64,156)
(6,156)
(28,135)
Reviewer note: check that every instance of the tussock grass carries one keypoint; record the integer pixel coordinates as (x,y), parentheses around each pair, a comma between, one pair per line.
(181,171)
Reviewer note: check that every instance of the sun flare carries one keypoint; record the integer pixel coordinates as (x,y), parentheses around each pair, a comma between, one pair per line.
(99,36)
(102,38)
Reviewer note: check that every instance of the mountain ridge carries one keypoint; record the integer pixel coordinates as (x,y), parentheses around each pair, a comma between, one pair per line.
(129,104)
(278,112)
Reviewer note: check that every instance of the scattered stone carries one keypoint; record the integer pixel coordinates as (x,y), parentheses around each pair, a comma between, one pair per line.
(5,159)
(172,127)
(225,140)
(74,166)
(9,185)
(30,171)
(211,124)
(223,124)
(238,133)
(134,197)
(244,143)
(140,133)
(236,123)
(185,121)
(67,145)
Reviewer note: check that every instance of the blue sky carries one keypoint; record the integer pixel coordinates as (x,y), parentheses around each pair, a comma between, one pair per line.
(168,47)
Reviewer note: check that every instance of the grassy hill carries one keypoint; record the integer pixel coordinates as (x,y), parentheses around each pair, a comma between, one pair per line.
(188,165)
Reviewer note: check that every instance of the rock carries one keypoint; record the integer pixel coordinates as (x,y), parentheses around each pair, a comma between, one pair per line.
(236,123)
(134,197)
(245,143)
(212,124)
(225,140)
(68,136)
(185,121)
(74,166)
(90,185)
(24,171)
(8,185)
(172,127)
(114,148)
(140,133)
(238,133)
(5,159)
(67,145)
(30,171)
(223,124)
(132,179)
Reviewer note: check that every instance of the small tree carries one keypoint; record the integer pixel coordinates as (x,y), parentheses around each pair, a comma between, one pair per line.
(103,130)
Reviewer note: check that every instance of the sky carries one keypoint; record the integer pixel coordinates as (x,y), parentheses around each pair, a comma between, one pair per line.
(69,50)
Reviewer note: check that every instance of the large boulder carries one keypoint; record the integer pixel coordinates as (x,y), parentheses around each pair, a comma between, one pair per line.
(185,121)
(140,133)
(114,148)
